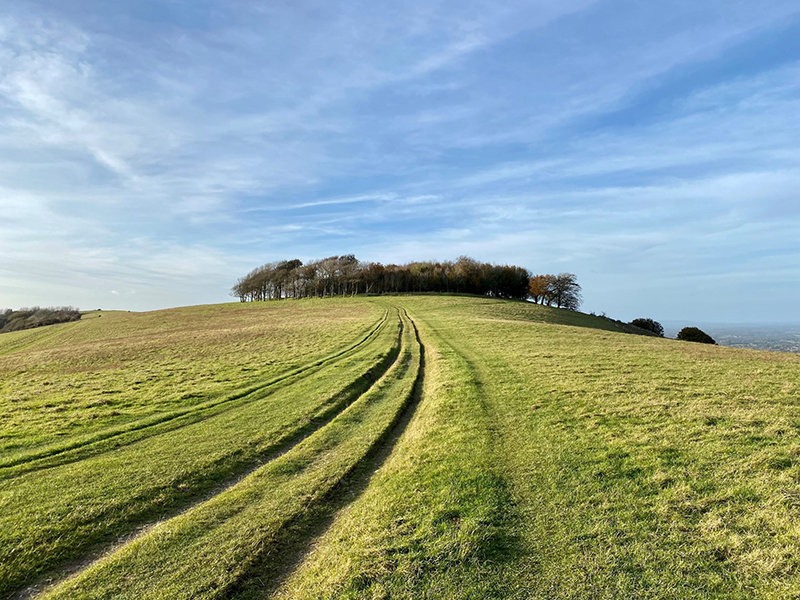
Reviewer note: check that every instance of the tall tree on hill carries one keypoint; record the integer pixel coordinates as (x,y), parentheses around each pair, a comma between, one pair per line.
(566,292)
(539,288)
(348,274)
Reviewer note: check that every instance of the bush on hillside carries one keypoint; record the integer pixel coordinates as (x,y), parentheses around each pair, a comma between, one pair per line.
(28,318)
(649,325)
(693,334)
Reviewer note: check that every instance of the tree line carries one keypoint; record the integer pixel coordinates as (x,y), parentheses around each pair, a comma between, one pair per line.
(346,275)
(28,318)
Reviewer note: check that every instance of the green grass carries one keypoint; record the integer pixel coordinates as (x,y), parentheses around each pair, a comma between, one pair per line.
(433,521)
(639,467)
(207,551)
(549,455)
(80,446)
(75,379)
(54,514)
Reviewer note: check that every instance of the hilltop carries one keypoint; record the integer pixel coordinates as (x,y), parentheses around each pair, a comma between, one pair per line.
(393,447)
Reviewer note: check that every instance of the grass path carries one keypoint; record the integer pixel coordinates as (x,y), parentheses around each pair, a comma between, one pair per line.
(80,447)
(432,522)
(50,517)
(208,551)
(304,535)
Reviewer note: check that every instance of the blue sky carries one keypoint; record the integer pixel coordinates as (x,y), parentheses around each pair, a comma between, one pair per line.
(152,152)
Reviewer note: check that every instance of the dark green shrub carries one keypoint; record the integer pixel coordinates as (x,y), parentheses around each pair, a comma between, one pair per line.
(649,325)
(693,334)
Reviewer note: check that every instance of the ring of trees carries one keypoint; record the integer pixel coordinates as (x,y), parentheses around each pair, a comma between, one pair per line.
(346,275)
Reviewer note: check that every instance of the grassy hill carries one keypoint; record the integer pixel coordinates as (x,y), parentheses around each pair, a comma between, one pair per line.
(393,447)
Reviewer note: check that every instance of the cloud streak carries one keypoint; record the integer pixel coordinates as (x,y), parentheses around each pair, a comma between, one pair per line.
(161,153)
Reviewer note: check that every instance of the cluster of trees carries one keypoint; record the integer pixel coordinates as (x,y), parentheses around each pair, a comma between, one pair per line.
(561,290)
(346,275)
(28,318)
(649,325)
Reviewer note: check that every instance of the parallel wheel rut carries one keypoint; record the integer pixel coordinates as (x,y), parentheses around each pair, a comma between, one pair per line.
(326,413)
(134,432)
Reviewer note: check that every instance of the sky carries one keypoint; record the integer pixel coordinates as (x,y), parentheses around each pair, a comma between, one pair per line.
(153,152)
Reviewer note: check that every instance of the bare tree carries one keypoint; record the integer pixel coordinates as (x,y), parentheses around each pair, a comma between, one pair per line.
(566,292)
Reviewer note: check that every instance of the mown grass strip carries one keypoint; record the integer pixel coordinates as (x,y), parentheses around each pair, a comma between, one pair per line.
(206,552)
(432,522)
(81,447)
(51,516)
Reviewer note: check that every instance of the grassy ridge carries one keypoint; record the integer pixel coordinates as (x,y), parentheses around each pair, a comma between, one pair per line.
(77,379)
(639,467)
(205,552)
(52,515)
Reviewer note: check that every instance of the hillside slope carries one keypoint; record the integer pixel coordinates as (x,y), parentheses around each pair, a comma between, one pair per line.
(395,447)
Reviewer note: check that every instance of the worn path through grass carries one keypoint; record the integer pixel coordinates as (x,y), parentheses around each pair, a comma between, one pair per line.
(74,381)
(57,514)
(79,447)
(209,551)
(433,521)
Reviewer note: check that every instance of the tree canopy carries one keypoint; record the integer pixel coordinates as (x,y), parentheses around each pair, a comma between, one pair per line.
(346,275)
(649,325)
(561,290)
(28,318)
(693,334)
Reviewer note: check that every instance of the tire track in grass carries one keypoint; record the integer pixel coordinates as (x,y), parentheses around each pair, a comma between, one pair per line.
(433,522)
(208,552)
(301,536)
(129,433)
(291,437)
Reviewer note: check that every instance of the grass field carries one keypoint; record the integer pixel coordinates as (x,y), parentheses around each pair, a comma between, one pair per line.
(395,447)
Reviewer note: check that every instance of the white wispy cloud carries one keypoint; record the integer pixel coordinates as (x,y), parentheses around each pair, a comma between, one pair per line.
(572,135)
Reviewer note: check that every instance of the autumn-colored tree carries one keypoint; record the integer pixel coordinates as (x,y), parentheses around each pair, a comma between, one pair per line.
(539,288)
